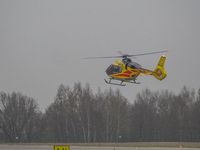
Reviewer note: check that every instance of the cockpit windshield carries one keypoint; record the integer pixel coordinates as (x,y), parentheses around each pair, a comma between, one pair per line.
(112,69)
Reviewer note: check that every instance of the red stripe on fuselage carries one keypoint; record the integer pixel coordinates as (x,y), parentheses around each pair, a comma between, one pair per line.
(128,72)
(122,75)
(134,70)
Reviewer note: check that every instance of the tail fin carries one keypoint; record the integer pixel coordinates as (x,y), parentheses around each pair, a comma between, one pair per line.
(160,72)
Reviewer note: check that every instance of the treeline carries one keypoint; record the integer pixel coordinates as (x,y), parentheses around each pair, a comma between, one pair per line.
(79,115)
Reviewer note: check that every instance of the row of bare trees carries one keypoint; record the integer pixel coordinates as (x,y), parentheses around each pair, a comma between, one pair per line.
(79,115)
(163,116)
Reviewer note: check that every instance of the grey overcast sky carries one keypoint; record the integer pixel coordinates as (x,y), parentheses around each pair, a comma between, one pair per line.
(42,41)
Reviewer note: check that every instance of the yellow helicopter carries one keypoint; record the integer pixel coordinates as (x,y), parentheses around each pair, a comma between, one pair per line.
(127,71)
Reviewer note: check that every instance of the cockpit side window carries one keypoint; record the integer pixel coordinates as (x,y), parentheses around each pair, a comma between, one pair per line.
(134,65)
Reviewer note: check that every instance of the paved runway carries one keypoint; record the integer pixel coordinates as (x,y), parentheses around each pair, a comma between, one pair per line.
(35,147)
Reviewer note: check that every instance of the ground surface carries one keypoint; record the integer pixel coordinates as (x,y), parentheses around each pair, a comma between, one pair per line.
(50,147)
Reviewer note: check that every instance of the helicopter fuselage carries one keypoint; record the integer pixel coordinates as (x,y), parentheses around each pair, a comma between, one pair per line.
(125,70)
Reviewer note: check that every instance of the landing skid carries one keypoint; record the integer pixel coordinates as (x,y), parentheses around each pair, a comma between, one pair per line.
(121,84)
(133,82)
(109,82)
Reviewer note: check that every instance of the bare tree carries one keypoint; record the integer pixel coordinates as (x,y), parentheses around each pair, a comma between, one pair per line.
(165,99)
(181,114)
(78,94)
(115,111)
(195,113)
(17,116)
(145,112)
(57,115)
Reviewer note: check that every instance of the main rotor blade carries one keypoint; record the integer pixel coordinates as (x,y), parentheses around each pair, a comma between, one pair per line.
(120,53)
(103,57)
(126,55)
(150,53)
